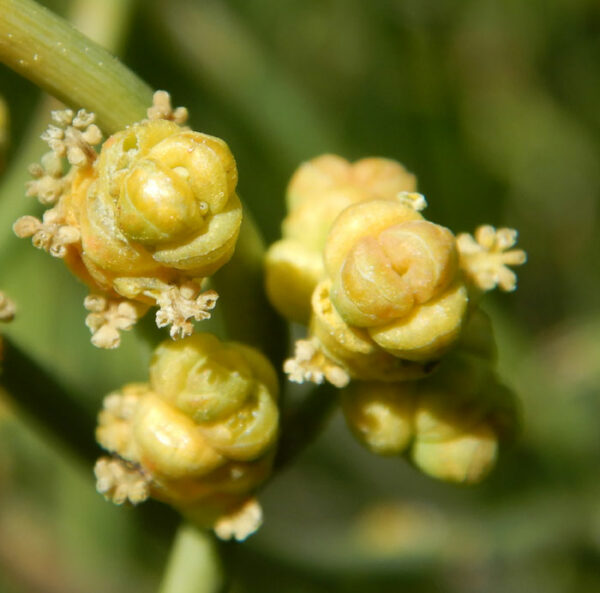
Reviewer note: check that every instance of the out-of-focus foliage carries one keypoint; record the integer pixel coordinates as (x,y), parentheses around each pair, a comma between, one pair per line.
(494,106)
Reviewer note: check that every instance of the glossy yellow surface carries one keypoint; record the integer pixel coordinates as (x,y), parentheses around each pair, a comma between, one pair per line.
(450,424)
(318,192)
(203,429)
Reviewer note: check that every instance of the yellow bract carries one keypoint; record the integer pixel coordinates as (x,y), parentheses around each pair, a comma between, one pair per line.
(319,190)
(352,348)
(202,431)
(146,219)
(381,415)
(396,274)
(163,201)
(449,424)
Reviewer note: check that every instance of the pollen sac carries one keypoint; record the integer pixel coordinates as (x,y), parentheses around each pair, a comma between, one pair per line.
(318,192)
(396,275)
(201,433)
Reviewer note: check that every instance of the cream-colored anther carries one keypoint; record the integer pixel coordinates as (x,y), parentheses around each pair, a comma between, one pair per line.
(74,137)
(162,109)
(121,482)
(50,234)
(49,183)
(108,317)
(241,523)
(415,200)
(485,257)
(311,364)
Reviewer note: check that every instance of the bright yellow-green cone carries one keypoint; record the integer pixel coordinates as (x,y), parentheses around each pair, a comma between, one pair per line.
(395,289)
(451,423)
(319,190)
(142,222)
(200,435)
(393,301)
(396,274)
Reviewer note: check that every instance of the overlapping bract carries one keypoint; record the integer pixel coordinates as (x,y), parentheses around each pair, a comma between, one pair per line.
(319,190)
(387,295)
(451,424)
(396,275)
(146,219)
(200,435)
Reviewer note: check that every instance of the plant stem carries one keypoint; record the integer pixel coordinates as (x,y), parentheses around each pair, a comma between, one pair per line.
(194,565)
(55,56)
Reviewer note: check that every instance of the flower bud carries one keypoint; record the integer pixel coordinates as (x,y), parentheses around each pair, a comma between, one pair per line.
(381,415)
(463,412)
(143,221)
(458,432)
(451,423)
(168,190)
(291,273)
(376,177)
(396,274)
(352,347)
(202,431)
(318,192)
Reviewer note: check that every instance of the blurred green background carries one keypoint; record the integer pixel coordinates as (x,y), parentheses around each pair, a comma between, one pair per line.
(495,106)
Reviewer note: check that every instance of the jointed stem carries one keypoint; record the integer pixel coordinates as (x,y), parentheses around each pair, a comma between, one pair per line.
(52,54)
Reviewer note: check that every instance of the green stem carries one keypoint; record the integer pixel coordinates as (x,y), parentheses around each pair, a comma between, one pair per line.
(55,56)
(194,565)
